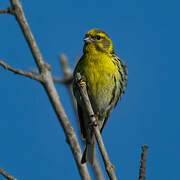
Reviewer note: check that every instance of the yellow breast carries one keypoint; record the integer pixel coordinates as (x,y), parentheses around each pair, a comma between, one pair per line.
(99,73)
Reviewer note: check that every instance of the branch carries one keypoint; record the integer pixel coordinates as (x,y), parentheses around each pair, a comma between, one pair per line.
(97,170)
(65,80)
(47,82)
(7,11)
(65,68)
(83,91)
(20,72)
(6,175)
(68,74)
(142,169)
(55,79)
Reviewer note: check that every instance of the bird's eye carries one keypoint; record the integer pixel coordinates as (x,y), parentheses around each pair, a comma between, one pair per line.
(98,37)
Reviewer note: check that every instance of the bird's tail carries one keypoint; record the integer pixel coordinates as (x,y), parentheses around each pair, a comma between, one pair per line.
(89,152)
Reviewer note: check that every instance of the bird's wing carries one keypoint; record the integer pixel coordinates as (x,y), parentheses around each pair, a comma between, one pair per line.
(122,69)
(81,121)
(119,87)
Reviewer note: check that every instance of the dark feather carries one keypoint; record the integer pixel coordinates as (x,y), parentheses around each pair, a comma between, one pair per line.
(81,121)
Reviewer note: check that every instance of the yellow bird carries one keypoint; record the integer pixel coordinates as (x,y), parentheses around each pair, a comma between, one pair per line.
(106,77)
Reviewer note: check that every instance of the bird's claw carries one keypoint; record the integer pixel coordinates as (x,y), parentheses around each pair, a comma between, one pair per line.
(94,122)
(82,81)
(108,168)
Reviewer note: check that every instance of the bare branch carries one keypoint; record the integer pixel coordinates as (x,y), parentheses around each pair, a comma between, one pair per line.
(6,175)
(55,79)
(83,91)
(47,82)
(20,72)
(68,73)
(97,170)
(65,80)
(67,127)
(142,169)
(6,11)
(66,70)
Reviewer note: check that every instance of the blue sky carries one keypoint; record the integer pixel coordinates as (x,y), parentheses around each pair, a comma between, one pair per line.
(145,35)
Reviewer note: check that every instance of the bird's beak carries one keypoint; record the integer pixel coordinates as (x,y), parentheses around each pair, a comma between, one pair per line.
(88,39)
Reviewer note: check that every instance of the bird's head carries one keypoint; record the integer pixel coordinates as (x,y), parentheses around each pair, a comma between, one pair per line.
(97,41)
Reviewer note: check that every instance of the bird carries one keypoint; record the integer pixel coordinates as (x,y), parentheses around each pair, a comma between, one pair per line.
(106,78)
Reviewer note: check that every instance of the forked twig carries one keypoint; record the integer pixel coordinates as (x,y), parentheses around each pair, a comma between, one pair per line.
(20,72)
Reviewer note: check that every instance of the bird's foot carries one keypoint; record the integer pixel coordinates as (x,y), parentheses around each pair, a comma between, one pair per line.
(110,167)
(94,122)
(82,81)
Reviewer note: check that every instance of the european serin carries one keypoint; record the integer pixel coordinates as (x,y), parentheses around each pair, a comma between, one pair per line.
(106,77)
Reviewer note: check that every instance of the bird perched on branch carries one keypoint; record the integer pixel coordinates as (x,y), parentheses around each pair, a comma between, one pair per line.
(106,77)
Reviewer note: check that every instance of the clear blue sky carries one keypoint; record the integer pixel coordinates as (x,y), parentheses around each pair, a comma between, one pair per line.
(145,35)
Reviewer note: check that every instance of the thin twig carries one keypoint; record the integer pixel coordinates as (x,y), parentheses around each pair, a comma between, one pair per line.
(20,72)
(65,67)
(62,81)
(6,11)
(68,73)
(55,79)
(47,82)
(6,175)
(142,169)
(83,91)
